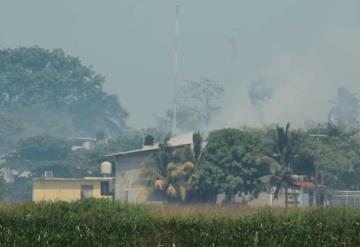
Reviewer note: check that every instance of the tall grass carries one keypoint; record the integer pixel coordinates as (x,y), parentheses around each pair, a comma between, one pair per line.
(103,223)
(86,223)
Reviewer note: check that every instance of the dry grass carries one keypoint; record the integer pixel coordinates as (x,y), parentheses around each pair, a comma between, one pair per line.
(211,210)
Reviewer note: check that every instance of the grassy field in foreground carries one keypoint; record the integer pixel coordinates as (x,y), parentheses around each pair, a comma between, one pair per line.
(103,223)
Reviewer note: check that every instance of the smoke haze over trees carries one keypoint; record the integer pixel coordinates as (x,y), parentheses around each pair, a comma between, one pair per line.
(198,102)
(345,110)
(259,94)
(306,54)
(305,50)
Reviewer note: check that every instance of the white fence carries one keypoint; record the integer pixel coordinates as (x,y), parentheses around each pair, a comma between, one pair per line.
(344,199)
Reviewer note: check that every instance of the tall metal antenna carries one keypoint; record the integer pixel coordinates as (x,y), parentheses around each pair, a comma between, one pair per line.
(176,58)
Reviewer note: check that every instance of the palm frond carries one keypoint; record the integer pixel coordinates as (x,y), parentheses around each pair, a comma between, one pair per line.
(171,166)
(171,191)
(159,184)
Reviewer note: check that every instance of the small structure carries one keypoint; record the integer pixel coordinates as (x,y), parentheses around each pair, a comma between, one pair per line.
(129,165)
(71,189)
(8,174)
(82,143)
(50,188)
(11,175)
(301,194)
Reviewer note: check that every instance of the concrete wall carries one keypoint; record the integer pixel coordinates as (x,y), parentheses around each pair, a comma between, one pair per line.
(266,199)
(128,188)
(63,190)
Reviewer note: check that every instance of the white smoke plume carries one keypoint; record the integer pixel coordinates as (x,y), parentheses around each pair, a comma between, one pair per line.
(259,93)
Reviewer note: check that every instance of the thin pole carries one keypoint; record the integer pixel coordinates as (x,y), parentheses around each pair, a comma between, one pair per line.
(176,58)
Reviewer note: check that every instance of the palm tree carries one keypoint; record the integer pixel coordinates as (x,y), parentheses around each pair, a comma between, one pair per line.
(175,182)
(156,167)
(280,158)
(197,153)
(167,173)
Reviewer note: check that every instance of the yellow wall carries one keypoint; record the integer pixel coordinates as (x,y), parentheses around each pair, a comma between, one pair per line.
(63,190)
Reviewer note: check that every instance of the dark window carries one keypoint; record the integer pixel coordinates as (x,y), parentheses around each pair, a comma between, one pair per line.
(105,188)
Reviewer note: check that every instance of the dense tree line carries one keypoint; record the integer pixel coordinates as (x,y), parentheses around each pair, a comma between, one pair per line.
(246,160)
(234,161)
(47,91)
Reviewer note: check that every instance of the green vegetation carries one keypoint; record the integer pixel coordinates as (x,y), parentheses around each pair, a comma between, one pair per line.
(39,153)
(20,191)
(230,164)
(103,223)
(248,161)
(42,153)
(49,97)
(282,154)
(172,172)
(49,92)
(164,176)
(39,148)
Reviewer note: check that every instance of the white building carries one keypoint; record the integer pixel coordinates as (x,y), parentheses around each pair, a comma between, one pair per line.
(129,165)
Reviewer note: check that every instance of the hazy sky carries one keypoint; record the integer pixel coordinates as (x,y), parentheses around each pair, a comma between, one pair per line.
(304,49)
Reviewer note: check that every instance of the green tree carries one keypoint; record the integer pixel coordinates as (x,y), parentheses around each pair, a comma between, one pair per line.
(9,129)
(40,148)
(60,83)
(42,153)
(230,164)
(337,156)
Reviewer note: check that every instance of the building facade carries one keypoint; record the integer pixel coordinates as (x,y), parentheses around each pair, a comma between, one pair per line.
(71,189)
(128,167)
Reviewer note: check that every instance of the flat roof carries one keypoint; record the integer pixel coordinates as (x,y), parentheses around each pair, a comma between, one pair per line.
(177,141)
(74,179)
(142,150)
(147,149)
(83,138)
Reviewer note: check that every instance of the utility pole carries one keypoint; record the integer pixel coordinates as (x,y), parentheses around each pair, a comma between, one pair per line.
(317,136)
(176,61)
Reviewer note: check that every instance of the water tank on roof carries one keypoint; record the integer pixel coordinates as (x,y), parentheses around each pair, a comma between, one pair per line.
(48,174)
(149,140)
(105,168)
